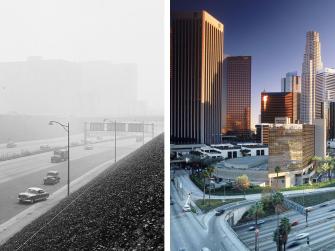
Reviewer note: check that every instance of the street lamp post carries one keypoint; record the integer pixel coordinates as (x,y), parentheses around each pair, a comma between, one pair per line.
(67,129)
(114,137)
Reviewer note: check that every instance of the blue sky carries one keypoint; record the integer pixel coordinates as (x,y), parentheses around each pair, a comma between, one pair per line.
(272,32)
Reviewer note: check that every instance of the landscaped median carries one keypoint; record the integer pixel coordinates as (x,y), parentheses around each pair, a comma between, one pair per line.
(214,203)
(313,199)
(255,189)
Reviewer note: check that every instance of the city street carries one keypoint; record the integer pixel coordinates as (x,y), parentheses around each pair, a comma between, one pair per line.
(19,174)
(321,229)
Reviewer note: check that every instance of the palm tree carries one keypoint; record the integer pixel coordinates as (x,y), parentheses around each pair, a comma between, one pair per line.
(255,211)
(277,200)
(277,238)
(285,229)
(277,170)
(205,174)
(210,171)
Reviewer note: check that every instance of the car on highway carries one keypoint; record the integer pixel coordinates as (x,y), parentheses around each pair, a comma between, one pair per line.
(205,249)
(301,236)
(323,205)
(11,144)
(186,208)
(260,222)
(251,228)
(59,156)
(331,210)
(88,147)
(51,178)
(293,244)
(219,212)
(45,147)
(32,195)
(309,209)
(294,223)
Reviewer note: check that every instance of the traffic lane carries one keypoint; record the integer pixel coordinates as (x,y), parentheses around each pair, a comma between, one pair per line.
(9,206)
(22,166)
(185,231)
(35,144)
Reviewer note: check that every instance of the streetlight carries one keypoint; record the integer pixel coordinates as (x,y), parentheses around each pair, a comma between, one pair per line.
(114,137)
(67,129)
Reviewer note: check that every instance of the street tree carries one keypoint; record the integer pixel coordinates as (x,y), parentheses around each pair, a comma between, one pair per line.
(277,170)
(284,229)
(277,201)
(242,183)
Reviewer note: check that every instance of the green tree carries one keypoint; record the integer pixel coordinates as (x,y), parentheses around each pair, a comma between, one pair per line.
(205,175)
(256,211)
(325,165)
(277,238)
(242,183)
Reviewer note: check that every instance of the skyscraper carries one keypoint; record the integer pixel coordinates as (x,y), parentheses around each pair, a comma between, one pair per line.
(325,91)
(291,82)
(237,96)
(196,78)
(312,63)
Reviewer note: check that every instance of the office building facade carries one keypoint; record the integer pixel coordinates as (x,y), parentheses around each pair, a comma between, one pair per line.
(237,96)
(291,82)
(291,147)
(280,104)
(196,78)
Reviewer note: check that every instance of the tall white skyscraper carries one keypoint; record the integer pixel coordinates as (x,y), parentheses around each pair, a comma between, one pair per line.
(311,65)
(291,82)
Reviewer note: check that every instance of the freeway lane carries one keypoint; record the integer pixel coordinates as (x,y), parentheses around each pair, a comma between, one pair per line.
(35,168)
(321,229)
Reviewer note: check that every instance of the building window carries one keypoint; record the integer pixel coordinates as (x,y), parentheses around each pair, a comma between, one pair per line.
(258,152)
(234,154)
(229,155)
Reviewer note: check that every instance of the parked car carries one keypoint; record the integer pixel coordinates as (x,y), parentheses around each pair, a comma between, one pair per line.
(219,212)
(88,147)
(294,223)
(32,195)
(11,144)
(45,147)
(51,178)
(186,208)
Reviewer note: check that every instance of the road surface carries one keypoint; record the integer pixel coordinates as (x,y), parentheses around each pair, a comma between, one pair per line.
(18,174)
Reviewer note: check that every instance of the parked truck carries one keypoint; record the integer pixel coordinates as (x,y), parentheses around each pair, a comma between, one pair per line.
(59,156)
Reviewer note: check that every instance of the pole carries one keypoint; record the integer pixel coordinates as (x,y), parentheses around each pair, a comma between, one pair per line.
(68,158)
(115,142)
(143,132)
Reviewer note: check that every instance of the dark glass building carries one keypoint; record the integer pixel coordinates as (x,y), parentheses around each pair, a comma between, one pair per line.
(195,78)
(280,104)
(237,96)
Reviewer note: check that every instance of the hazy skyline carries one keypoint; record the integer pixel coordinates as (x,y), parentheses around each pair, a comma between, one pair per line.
(86,30)
(273,33)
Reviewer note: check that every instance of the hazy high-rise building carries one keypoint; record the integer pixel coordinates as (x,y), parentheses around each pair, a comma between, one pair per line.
(237,96)
(196,78)
(291,82)
(312,63)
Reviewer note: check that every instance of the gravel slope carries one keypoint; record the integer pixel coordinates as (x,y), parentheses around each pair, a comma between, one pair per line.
(121,209)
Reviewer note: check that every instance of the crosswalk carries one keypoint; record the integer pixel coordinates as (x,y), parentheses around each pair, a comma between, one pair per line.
(321,229)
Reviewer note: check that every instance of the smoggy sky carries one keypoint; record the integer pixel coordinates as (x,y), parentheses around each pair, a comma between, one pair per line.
(84,30)
(273,33)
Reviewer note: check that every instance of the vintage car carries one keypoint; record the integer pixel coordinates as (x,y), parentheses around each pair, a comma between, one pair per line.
(88,147)
(45,147)
(11,144)
(51,178)
(32,195)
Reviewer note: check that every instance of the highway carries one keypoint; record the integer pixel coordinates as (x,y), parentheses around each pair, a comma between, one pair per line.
(321,229)
(188,234)
(18,174)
